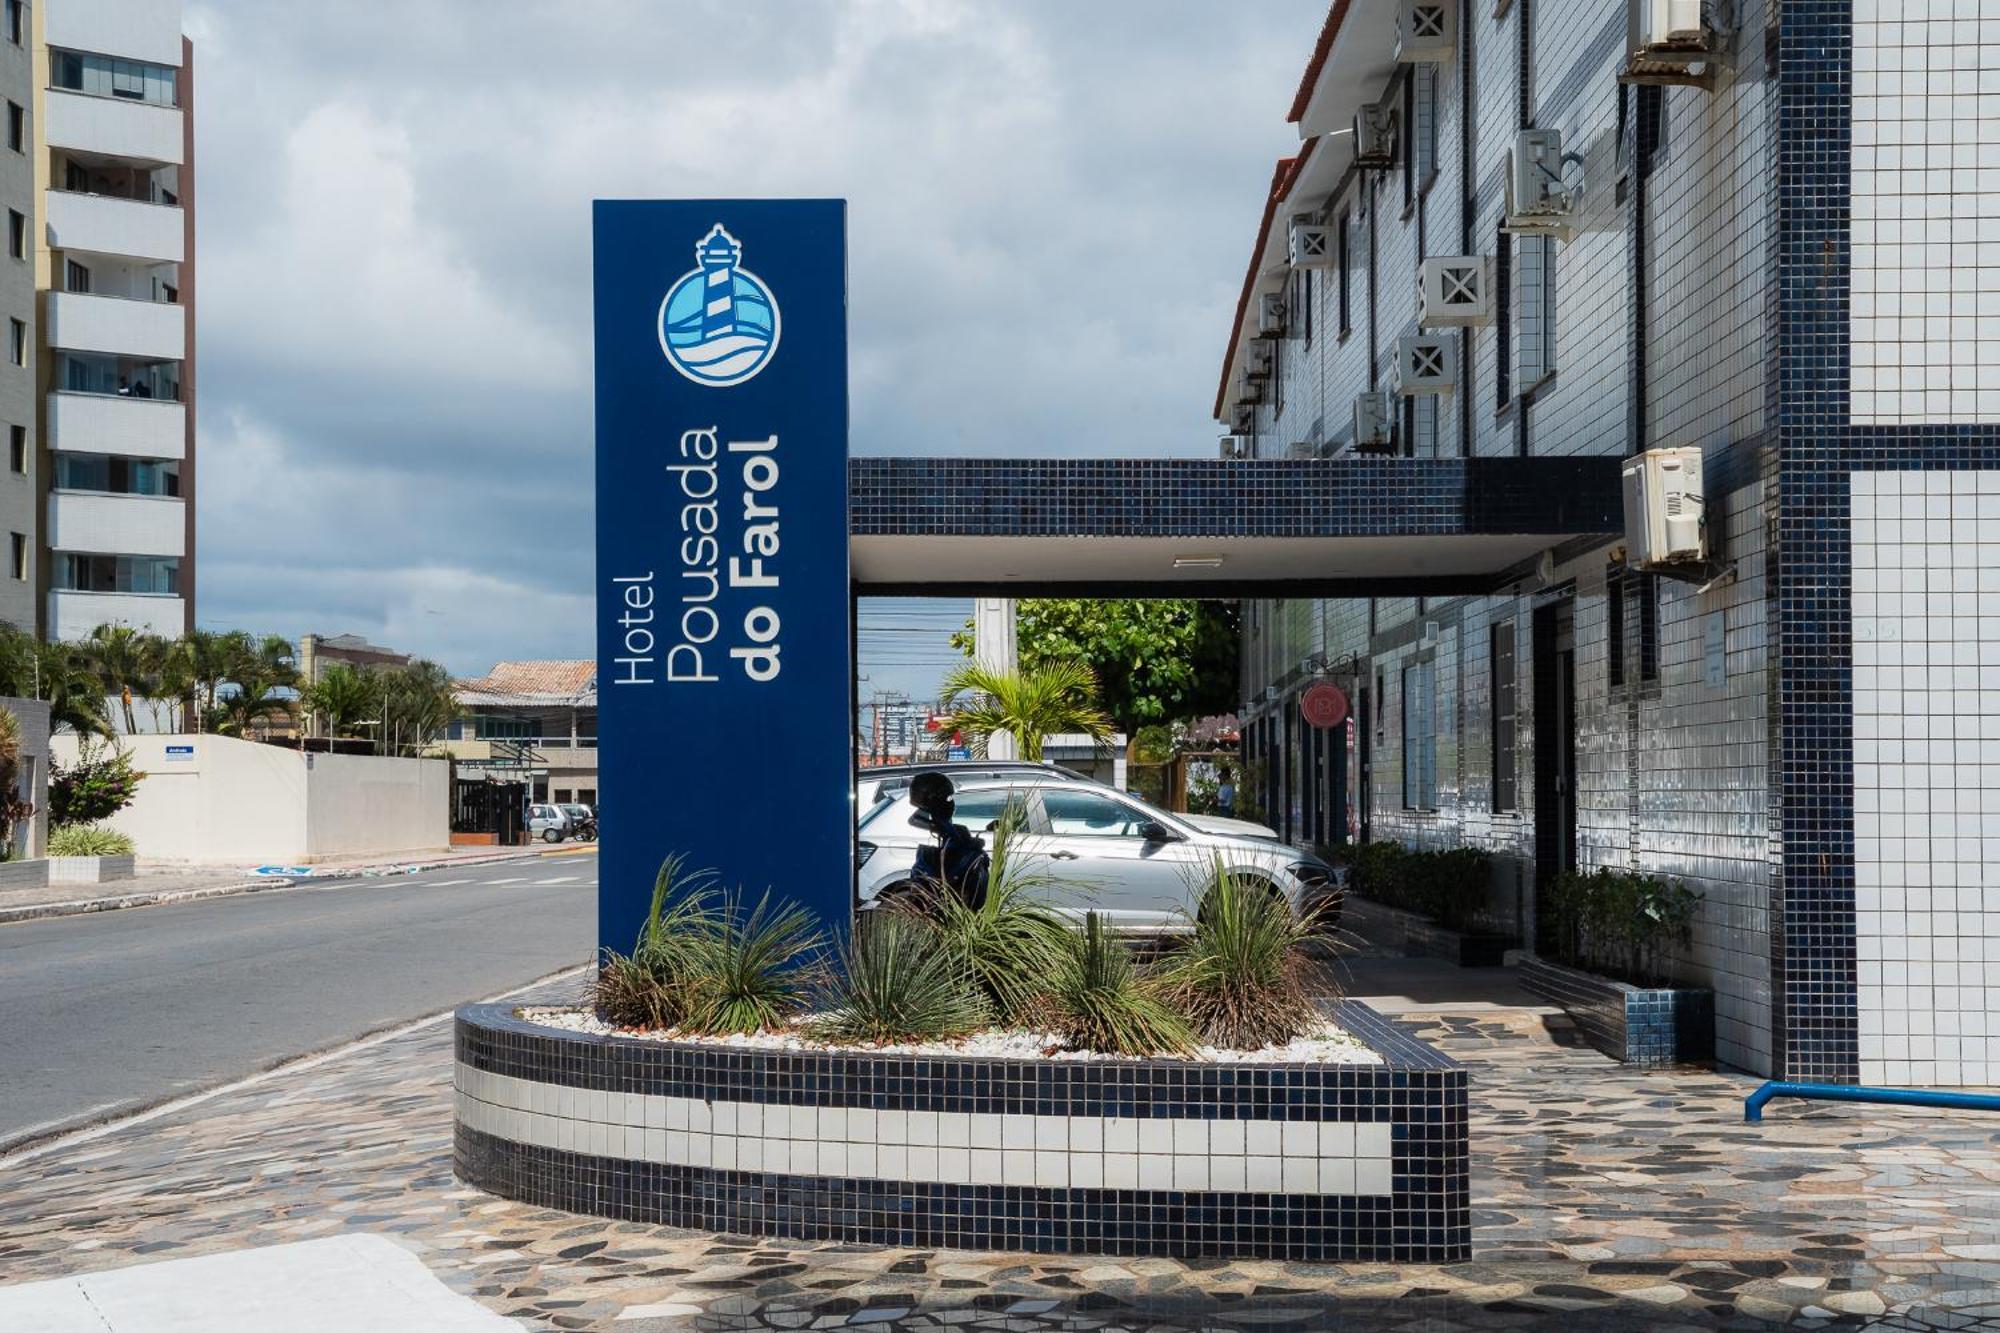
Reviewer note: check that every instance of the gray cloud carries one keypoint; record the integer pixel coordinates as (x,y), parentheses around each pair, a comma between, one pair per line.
(1050,207)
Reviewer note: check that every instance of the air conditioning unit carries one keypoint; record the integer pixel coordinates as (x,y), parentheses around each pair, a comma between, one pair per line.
(1258,360)
(1538,201)
(1663,509)
(1301,449)
(1375,137)
(1426,363)
(1667,39)
(1312,244)
(1425,30)
(1243,419)
(1249,390)
(1235,446)
(1455,292)
(1374,423)
(1271,315)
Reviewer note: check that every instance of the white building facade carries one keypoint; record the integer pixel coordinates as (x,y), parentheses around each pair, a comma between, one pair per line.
(113,151)
(1773,246)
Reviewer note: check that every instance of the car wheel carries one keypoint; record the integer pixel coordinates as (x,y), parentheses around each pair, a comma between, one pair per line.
(551,835)
(1253,881)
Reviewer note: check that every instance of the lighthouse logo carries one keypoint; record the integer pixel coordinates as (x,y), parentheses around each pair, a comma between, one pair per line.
(719,323)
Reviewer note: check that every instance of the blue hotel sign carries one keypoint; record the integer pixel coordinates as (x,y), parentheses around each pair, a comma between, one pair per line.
(723,673)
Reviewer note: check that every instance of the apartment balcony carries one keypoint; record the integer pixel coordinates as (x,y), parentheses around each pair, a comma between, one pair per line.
(100,423)
(112,127)
(133,29)
(125,524)
(149,330)
(73,615)
(107,225)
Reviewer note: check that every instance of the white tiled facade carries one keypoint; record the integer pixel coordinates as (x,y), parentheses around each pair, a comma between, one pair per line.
(1925,312)
(1663,337)
(1926,552)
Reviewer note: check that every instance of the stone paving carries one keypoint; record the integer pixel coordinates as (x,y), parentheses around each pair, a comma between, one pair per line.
(1607,1199)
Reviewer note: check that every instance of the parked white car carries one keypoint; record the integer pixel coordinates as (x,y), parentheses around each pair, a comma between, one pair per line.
(1138,867)
(550,823)
(895,779)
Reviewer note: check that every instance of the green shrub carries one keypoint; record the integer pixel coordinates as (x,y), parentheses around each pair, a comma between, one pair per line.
(625,994)
(97,786)
(1011,943)
(1448,887)
(1617,923)
(1097,1000)
(751,969)
(1244,977)
(88,840)
(897,983)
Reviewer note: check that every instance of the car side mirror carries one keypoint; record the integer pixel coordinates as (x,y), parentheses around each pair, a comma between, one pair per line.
(1154,831)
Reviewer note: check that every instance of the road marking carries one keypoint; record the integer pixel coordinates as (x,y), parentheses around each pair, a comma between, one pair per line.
(293,1066)
(511,879)
(445,883)
(560,879)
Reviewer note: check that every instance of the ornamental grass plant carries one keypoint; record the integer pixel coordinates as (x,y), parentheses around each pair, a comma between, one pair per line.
(88,840)
(752,969)
(1098,1001)
(898,982)
(1245,975)
(1012,942)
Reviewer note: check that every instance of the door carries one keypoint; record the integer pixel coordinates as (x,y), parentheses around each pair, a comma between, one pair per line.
(1555,741)
(1364,751)
(1099,840)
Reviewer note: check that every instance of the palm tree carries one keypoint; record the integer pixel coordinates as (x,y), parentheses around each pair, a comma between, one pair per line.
(340,698)
(66,679)
(258,668)
(118,654)
(205,659)
(1027,705)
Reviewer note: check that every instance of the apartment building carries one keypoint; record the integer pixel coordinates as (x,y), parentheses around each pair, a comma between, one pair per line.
(108,134)
(1518,229)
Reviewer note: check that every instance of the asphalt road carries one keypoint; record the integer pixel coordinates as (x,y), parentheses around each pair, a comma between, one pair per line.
(113,1011)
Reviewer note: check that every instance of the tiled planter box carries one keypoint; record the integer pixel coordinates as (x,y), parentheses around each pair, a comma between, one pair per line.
(1303,1162)
(29,874)
(1659,1026)
(1417,937)
(89,869)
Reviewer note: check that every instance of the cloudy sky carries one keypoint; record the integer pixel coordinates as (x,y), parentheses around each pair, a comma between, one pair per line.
(1050,206)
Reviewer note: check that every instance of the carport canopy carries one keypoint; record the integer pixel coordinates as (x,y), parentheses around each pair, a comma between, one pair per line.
(1355,526)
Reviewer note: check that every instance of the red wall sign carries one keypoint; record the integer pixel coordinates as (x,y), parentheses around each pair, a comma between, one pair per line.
(1323,705)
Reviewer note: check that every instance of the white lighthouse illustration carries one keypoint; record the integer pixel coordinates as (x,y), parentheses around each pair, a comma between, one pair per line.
(719,323)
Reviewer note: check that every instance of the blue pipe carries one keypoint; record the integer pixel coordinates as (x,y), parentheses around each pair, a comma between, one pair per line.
(1753,1105)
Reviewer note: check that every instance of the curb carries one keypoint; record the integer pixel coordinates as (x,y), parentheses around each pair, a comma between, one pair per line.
(84,906)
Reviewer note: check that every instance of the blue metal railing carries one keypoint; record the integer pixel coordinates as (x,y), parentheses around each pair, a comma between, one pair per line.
(1753,1105)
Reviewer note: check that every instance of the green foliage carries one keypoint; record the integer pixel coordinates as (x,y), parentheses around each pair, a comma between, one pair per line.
(1027,705)
(341,699)
(88,840)
(1450,888)
(626,995)
(898,982)
(1011,943)
(1245,975)
(653,986)
(1618,923)
(98,785)
(1098,1001)
(751,969)
(1158,661)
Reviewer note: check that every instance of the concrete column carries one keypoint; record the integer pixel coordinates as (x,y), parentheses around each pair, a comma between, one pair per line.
(994,648)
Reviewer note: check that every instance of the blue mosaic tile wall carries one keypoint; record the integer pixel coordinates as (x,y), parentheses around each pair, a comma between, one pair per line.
(1117,497)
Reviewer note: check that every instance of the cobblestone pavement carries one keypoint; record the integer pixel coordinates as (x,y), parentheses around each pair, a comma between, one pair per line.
(1606,1199)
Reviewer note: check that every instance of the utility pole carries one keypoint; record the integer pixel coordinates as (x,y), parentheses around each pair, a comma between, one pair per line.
(995,649)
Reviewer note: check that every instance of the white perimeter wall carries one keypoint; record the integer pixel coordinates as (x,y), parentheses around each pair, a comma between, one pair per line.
(246,803)
(1927,776)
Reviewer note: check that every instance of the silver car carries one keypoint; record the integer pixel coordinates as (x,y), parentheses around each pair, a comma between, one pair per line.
(874,784)
(550,823)
(1136,866)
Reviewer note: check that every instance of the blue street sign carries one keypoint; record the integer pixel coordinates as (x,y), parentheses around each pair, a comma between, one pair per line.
(724,682)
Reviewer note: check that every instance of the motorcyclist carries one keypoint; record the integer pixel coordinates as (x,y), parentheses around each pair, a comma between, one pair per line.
(957,861)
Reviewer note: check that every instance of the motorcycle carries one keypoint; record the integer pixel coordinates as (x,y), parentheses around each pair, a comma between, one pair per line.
(584,830)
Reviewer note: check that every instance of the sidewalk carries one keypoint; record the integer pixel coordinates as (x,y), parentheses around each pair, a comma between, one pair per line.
(1606,1198)
(158,884)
